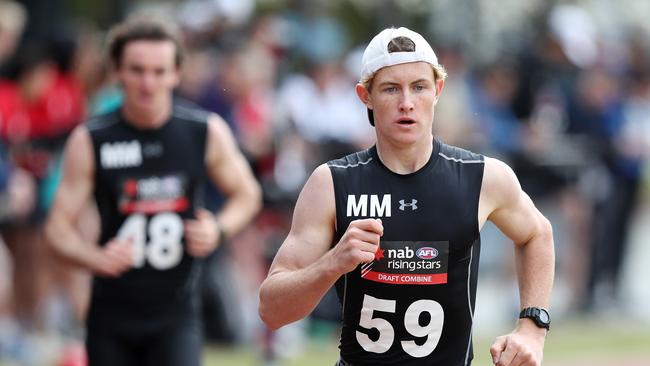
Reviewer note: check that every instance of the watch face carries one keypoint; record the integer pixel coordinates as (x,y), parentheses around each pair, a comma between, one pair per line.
(543,316)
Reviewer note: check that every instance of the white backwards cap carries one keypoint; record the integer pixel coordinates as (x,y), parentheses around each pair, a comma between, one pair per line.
(376,55)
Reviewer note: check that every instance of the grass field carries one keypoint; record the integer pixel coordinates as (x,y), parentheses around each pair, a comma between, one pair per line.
(570,343)
(575,343)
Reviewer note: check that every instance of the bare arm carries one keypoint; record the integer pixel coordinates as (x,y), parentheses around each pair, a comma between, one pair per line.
(229,170)
(505,204)
(72,195)
(305,267)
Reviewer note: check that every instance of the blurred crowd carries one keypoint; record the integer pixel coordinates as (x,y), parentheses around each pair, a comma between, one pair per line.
(559,90)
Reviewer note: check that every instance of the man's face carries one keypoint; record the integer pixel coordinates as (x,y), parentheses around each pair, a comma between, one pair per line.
(402,98)
(148,73)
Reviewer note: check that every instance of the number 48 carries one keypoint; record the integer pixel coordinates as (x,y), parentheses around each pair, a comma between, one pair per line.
(164,249)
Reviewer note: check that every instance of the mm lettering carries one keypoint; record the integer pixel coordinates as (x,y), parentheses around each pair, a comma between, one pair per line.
(121,154)
(358,207)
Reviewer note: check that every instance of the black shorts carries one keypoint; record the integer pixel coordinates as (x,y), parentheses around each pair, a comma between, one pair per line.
(177,345)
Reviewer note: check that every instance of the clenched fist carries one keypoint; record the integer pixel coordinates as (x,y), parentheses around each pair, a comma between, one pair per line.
(520,348)
(202,234)
(114,258)
(358,244)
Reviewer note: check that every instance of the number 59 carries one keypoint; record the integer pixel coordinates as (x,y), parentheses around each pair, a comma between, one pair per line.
(432,331)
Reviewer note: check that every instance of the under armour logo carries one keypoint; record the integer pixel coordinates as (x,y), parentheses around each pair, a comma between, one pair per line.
(403,204)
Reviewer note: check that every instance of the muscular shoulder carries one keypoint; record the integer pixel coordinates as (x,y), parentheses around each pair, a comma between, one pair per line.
(319,189)
(500,186)
(220,140)
(505,204)
(313,225)
(321,178)
(499,175)
(78,153)
(316,201)
(79,140)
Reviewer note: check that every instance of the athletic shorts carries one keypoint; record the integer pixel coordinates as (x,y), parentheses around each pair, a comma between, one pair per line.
(176,345)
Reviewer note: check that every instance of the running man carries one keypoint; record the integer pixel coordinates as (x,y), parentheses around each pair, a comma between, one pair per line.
(396,229)
(145,165)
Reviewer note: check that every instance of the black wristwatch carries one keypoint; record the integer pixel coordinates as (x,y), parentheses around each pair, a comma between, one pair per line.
(539,315)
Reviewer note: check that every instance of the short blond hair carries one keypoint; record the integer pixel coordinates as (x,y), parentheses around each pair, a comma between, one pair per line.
(439,73)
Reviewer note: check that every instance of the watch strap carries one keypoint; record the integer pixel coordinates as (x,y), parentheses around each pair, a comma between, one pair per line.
(534,313)
(529,313)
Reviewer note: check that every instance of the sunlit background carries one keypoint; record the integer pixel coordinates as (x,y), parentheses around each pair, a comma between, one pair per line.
(560,90)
